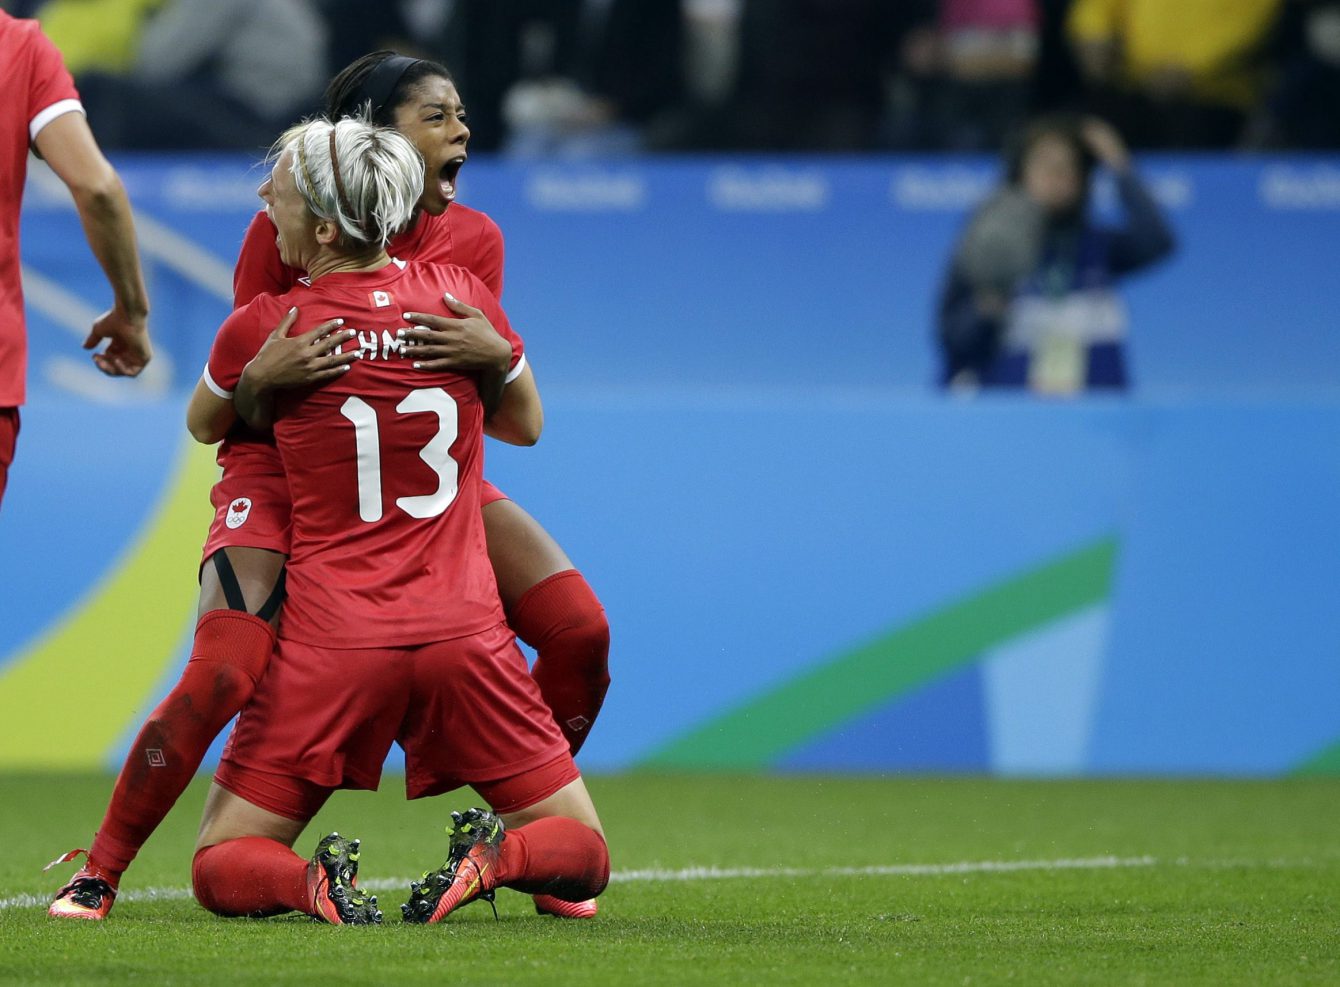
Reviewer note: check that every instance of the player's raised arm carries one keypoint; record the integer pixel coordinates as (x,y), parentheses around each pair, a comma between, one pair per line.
(67,145)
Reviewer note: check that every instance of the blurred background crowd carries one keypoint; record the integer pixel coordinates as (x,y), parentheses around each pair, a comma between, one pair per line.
(602,77)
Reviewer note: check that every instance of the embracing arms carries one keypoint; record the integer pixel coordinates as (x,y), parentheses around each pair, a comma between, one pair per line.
(512,403)
(283,361)
(513,412)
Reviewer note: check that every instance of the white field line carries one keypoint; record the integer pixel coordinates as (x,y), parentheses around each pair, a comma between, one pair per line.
(659,876)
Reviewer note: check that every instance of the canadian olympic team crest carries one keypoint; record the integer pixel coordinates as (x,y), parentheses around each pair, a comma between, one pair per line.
(238,512)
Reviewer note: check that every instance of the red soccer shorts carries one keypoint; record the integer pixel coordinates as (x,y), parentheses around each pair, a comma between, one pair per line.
(466,711)
(9,437)
(252,510)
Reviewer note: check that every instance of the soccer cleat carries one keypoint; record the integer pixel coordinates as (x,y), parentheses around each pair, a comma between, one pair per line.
(89,895)
(331,876)
(469,873)
(547,904)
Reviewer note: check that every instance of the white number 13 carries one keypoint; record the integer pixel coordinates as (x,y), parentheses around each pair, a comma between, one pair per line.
(437,453)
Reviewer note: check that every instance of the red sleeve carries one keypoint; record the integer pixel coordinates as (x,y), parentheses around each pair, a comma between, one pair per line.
(259,270)
(477,293)
(237,341)
(50,82)
(488,257)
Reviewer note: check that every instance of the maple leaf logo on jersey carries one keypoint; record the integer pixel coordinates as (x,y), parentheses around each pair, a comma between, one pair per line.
(238,512)
(381,299)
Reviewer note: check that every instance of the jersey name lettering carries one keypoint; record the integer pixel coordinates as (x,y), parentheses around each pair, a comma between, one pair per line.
(372,347)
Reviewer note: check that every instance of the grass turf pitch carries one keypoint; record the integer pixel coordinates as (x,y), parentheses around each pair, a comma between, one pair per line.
(816,880)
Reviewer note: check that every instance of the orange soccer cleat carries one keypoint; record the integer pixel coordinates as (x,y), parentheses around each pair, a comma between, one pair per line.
(89,895)
(331,876)
(469,872)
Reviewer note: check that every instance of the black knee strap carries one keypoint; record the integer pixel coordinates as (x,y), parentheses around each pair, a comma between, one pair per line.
(276,598)
(232,589)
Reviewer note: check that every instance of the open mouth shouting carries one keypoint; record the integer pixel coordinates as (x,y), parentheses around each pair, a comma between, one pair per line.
(446,177)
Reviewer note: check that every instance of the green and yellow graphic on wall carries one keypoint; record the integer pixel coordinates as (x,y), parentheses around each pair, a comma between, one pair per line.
(73,692)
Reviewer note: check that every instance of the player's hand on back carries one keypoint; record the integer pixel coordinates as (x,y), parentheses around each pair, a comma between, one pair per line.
(296,361)
(128,351)
(467,342)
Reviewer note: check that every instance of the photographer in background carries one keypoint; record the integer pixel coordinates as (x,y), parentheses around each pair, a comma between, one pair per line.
(1030,299)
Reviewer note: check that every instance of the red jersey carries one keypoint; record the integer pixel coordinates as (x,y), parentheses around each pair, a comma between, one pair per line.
(384,465)
(462,236)
(38,88)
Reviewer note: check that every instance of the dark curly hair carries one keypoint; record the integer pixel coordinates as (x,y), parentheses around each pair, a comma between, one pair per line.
(376,84)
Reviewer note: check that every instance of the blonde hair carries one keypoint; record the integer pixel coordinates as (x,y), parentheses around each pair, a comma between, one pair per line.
(365,179)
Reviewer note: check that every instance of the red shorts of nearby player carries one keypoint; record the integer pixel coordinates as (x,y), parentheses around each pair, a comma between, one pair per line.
(466,712)
(253,510)
(9,437)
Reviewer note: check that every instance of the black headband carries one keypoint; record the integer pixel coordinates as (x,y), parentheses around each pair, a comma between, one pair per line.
(382,80)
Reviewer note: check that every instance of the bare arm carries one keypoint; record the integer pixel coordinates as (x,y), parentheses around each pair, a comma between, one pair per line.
(254,402)
(519,419)
(282,361)
(68,146)
(208,416)
(290,361)
(465,340)
(513,412)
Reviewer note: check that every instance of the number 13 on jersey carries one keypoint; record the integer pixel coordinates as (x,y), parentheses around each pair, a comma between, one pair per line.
(437,453)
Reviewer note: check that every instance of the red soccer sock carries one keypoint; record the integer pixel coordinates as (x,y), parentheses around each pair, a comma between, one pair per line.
(251,876)
(556,856)
(563,621)
(230,652)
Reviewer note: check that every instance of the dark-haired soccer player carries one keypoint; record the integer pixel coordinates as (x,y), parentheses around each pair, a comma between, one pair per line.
(393,630)
(41,109)
(547,601)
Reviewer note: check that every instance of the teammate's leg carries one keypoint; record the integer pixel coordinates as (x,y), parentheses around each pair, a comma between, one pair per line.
(551,607)
(321,719)
(556,848)
(477,718)
(553,849)
(241,591)
(244,863)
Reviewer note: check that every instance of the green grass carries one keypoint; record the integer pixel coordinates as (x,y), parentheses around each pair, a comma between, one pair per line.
(1220,883)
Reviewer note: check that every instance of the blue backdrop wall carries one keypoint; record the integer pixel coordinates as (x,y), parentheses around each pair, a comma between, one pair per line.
(811,560)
